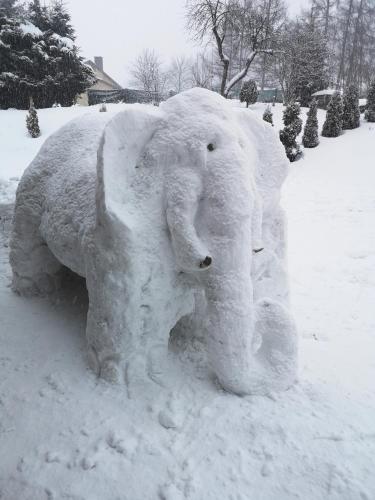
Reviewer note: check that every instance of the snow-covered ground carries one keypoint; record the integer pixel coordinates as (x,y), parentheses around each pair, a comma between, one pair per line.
(65,435)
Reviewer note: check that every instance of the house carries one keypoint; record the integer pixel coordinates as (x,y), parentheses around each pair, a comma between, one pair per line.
(105,86)
(323,97)
(270,95)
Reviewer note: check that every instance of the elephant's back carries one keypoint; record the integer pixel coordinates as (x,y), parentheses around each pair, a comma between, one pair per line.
(63,179)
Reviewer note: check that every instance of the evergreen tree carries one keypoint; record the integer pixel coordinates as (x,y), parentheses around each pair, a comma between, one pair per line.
(37,62)
(59,20)
(267,115)
(19,51)
(11,8)
(38,15)
(32,122)
(351,113)
(310,137)
(370,111)
(292,127)
(333,124)
(249,92)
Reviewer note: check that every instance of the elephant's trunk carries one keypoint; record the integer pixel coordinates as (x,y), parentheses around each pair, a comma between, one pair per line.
(252,348)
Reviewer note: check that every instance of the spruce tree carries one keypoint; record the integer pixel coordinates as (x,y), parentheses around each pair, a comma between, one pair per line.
(59,20)
(310,137)
(249,92)
(370,111)
(292,127)
(38,62)
(32,122)
(267,115)
(333,124)
(351,113)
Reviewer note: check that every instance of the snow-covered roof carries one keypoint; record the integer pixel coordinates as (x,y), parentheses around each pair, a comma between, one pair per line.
(362,101)
(325,92)
(30,29)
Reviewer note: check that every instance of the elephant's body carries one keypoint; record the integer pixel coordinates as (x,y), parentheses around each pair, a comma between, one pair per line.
(140,204)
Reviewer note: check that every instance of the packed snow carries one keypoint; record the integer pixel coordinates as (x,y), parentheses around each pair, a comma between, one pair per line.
(159,208)
(67,435)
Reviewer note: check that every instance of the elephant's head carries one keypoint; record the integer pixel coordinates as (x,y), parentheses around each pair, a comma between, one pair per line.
(196,168)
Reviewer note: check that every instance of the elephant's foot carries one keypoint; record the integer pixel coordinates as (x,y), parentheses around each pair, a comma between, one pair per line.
(139,370)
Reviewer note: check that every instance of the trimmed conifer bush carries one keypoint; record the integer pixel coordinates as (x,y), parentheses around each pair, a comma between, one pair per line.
(310,137)
(267,115)
(249,92)
(292,127)
(370,111)
(333,124)
(32,122)
(351,113)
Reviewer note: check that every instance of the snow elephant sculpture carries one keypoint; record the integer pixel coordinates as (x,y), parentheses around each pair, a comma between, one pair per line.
(154,206)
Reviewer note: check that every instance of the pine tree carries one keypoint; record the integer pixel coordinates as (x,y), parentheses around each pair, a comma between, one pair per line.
(37,62)
(267,115)
(249,92)
(333,124)
(310,137)
(351,113)
(292,127)
(11,8)
(59,20)
(32,122)
(370,111)
(38,15)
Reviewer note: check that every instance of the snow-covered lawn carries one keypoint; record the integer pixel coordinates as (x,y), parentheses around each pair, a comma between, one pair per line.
(64,435)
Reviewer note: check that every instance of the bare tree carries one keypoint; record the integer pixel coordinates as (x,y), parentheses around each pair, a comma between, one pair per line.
(148,73)
(179,74)
(244,27)
(202,72)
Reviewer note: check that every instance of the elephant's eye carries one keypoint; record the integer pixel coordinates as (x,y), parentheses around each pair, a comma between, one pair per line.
(210,147)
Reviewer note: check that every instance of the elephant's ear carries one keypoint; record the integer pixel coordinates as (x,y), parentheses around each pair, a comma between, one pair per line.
(124,139)
(272,165)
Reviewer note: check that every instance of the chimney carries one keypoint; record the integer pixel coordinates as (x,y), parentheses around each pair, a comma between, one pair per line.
(98,62)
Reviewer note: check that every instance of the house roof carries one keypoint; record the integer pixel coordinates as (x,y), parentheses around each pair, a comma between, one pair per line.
(102,75)
(325,92)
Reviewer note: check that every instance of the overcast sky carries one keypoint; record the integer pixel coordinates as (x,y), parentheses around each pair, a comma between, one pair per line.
(119,30)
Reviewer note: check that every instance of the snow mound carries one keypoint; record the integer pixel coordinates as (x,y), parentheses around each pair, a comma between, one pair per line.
(172,215)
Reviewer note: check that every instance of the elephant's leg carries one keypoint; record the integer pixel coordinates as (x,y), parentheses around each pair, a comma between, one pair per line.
(35,268)
(126,341)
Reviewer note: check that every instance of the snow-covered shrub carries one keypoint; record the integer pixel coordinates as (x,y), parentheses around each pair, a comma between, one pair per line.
(292,127)
(370,111)
(310,138)
(351,114)
(32,122)
(103,108)
(333,123)
(171,202)
(267,115)
(249,92)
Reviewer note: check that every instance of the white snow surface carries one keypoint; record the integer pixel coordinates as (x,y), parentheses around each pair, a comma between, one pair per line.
(136,203)
(66,435)
(30,29)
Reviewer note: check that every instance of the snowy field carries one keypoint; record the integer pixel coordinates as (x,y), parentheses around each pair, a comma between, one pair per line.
(65,435)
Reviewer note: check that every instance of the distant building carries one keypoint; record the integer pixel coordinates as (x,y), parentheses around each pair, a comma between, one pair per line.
(270,95)
(105,84)
(323,97)
(106,89)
